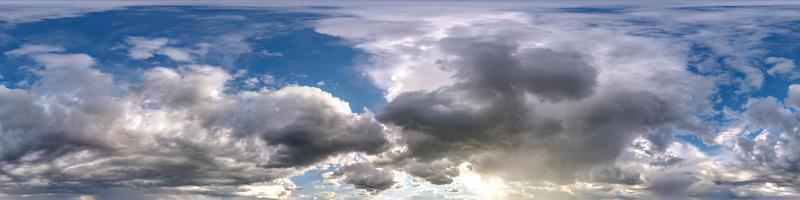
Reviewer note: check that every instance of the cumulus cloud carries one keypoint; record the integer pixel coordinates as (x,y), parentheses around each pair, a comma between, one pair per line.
(764,164)
(770,113)
(76,130)
(520,110)
(571,110)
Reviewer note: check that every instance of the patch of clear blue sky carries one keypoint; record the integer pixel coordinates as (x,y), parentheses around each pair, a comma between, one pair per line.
(307,57)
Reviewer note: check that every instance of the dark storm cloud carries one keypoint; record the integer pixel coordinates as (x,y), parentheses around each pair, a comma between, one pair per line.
(492,108)
(317,136)
(488,103)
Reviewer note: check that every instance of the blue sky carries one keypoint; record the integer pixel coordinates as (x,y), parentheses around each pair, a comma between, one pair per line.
(393,100)
(303,56)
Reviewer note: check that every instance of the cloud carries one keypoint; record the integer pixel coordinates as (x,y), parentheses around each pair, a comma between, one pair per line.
(526,103)
(782,67)
(177,54)
(487,107)
(770,113)
(144,48)
(76,130)
(769,159)
(612,175)
(266,53)
(28,49)
(501,66)
(437,172)
(538,103)
(793,99)
(364,176)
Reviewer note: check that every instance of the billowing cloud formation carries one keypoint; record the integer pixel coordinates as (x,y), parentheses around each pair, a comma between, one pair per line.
(528,111)
(77,130)
(497,101)
(774,150)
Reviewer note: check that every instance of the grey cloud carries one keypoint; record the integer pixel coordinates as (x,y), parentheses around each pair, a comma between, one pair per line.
(438,172)
(491,111)
(368,177)
(317,135)
(773,158)
(793,98)
(501,66)
(487,104)
(305,124)
(305,127)
(671,186)
(353,27)
(771,114)
(615,175)
(667,161)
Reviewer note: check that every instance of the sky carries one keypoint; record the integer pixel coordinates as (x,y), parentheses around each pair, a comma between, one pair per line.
(175,100)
